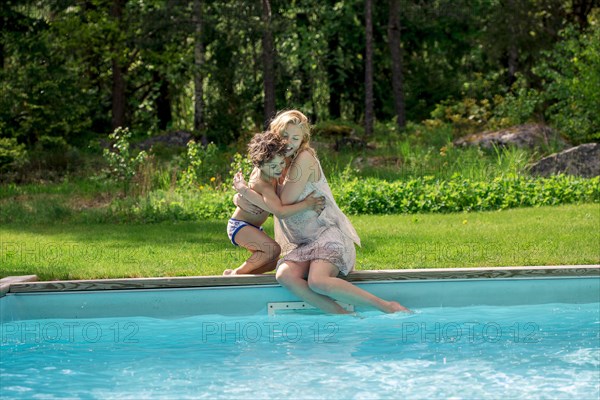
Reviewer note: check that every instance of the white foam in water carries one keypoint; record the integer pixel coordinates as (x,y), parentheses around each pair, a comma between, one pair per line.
(542,351)
(583,357)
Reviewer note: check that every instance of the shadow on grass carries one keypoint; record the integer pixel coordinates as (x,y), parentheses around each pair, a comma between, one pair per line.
(161,233)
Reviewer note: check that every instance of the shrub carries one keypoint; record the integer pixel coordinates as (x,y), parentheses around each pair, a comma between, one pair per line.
(12,154)
(426,194)
(123,166)
(375,196)
(468,115)
(572,73)
(239,163)
(194,163)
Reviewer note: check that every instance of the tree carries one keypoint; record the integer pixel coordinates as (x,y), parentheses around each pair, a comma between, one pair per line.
(198,75)
(580,10)
(342,28)
(571,71)
(396,55)
(72,69)
(513,48)
(42,95)
(335,84)
(119,100)
(369,107)
(268,62)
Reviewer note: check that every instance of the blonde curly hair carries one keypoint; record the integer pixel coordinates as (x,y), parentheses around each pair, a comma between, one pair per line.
(295,117)
(264,147)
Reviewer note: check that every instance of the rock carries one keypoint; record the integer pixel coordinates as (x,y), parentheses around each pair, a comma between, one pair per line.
(523,136)
(333,130)
(352,142)
(582,160)
(171,139)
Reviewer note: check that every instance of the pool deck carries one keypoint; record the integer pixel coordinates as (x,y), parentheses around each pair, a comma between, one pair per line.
(30,283)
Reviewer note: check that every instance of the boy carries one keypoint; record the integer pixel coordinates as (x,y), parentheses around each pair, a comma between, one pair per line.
(267,153)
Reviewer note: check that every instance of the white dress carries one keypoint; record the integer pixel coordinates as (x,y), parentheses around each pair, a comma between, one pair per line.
(330,236)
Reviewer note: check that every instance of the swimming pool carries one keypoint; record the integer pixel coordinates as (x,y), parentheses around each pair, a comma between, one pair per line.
(528,335)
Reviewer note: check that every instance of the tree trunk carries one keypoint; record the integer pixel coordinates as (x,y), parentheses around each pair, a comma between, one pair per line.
(396,54)
(369,107)
(335,87)
(268,61)
(118,95)
(513,64)
(580,9)
(513,51)
(306,90)
(119,100)
(198,76)
(163,101)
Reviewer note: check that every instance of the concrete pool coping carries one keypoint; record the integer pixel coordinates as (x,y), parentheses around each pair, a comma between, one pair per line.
(30,283)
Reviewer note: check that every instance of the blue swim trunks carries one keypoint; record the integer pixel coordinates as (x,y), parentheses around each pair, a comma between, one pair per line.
(234,225)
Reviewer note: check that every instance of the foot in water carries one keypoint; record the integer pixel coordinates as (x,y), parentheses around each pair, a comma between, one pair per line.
(394,307)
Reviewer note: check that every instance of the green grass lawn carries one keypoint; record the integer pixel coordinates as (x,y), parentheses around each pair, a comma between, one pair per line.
(527,236)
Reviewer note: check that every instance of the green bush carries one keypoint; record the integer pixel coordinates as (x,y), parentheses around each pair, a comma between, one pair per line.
(43,92)
(53,159)
(572,75)
(567,94)
(426,194)
(376,196)
(123,165)
(204,165)
(468,115)
(239,163)
(354,196)
(12,154)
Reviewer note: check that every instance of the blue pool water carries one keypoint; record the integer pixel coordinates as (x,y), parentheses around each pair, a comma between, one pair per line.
(539,351)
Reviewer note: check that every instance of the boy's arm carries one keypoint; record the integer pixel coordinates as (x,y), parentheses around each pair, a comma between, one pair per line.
(269,201)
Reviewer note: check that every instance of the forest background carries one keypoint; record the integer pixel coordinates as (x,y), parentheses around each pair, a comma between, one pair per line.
(100,98)
(73,71)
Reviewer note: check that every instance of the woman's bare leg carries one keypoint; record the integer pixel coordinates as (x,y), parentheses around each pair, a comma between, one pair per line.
(322,278)
(293,275)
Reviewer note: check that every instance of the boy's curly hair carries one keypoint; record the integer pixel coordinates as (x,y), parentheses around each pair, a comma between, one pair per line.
(264,147)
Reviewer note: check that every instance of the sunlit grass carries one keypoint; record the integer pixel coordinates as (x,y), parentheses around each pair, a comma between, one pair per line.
(527,236)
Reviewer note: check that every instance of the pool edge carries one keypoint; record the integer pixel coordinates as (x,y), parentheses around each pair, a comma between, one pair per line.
(30,283)
(6,282)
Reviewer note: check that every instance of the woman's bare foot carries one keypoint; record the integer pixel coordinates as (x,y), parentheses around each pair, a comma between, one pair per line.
(228,272)
(394,307)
